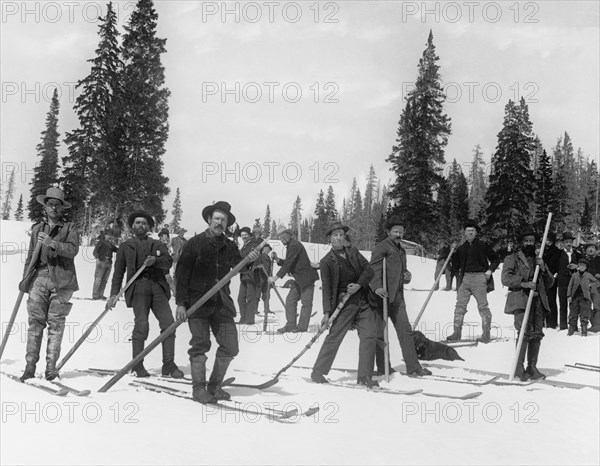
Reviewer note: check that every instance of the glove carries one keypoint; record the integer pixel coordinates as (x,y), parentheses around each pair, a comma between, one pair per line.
(150,261)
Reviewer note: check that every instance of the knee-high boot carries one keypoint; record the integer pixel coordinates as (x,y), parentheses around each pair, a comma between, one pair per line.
(533,352)
(198,369)
(520,370)
(56,328)
(216,378)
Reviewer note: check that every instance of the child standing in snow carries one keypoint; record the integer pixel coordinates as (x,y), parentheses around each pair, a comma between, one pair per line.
(579,297)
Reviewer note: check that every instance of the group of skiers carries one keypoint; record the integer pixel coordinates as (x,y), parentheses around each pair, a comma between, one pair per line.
(356,292)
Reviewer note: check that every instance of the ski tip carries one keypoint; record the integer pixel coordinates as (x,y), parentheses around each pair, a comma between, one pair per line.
(83,392)
(227,381)
(290,413)
(62,392)
(470,396)
(311,411)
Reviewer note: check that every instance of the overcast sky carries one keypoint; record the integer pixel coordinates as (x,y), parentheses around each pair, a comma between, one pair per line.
(271,100)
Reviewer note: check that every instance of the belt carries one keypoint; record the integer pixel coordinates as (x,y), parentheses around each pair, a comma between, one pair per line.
(472,272)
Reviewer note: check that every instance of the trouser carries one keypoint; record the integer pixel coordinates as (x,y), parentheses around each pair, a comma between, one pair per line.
(305,296)
(222,327)
(552,315)
(247,301)
(46,306)
(580,308)
(397,314)
(101,277)
(563,307)
(472,284)
(447,273)
(150,295)
(534,329)
(356,311)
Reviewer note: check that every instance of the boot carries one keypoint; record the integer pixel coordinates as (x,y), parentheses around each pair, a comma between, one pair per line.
(216,378)
(584,329)
(533,352)
(421,372)
(169,368)
(29,372)
(457,335)
(571,331)
(318,377)
(367,382)
(57,313)
(139,370)
(198,369)
(520,370)
(595,321)
(486,324)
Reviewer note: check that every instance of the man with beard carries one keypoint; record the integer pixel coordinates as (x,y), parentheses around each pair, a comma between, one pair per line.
(345,270)
(474,263)
(297,263)
(397,276)
(205,260)
(51,283)
(517,275)
(149,291)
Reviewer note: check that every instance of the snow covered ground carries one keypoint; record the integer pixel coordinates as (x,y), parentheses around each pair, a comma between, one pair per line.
(538,424)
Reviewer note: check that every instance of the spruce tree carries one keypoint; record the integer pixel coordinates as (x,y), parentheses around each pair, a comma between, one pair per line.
(477,185)
(586,217)
(544,193)
(296,216)
(511,189)
(267,223)
(274,229)
(8,197)
(177,212)
(559,186)
(19,211)
(459,200)
(418,155)
(320,223)
(370,216)
(95,167)
(145,111)
(46,172)
(330,210)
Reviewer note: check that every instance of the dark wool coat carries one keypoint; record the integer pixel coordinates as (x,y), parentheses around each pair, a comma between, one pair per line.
(486,257)
(564,274)
(296,262)
(127,260)
(395,265)
(61,263)
(516,270)
(330,276)
(204,261)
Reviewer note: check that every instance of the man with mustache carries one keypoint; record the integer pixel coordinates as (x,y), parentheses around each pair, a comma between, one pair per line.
(149,291)
(517,275)
(205,260)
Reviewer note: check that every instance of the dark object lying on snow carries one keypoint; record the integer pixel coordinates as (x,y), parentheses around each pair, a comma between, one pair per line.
(428,350)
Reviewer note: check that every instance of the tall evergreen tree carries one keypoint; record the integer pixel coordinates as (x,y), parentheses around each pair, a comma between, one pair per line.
(19,211)
(418,155)
(330,210)
(46,172)
(477,185)
(8,197)
(145,104)
(559,186)
(544,193)
(586,217)
(320,223)
(267,223)
(273,229)
(511,189)
(296,216)
(177,212)
(370,216)
(459,200)
(573,201)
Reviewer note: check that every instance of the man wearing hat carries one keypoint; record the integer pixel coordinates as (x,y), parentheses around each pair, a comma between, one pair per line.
(164,236)
(250,279)
(474,263)
(397,275)
(51,282)
(579,297)
(517,275)
(297,264)
(206,259)
(149,291)
(345,270)
(567,265)
(551,255)
(103,253)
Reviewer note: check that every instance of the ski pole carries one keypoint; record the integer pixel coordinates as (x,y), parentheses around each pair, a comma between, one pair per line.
(168,331)
(322,329)
(386,348)
(437,280)
(275,289)
(513,367)
(107,308)
(13,316)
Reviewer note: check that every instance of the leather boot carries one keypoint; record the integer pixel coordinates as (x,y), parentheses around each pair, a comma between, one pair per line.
(198,369)
(520,370)
(32,352)
(216,377)
(486,324)
(584,328)
(169,368)
(458,323)
(139,370)
(367,382)
(57,313)
(533,352)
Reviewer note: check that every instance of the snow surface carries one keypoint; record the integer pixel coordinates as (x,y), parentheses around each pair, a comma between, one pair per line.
(538,424)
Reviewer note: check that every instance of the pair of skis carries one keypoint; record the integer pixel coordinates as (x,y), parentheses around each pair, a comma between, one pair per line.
(585,367)
(61,390)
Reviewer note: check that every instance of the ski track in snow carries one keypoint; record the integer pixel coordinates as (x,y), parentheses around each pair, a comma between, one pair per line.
(537,424)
